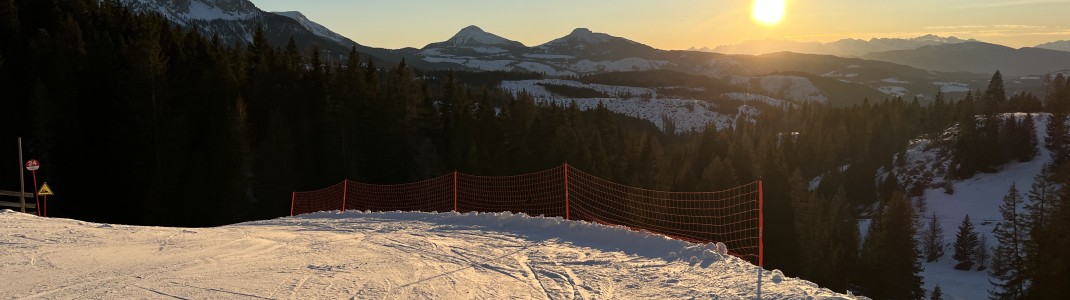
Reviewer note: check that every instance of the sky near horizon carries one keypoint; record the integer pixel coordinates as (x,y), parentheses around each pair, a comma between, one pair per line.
(681,24)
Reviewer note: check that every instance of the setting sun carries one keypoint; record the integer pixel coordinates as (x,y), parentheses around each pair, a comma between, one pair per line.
(768,12)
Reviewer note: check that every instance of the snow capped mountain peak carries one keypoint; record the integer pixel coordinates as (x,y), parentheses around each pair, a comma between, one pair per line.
(473,35)
(184,11)
(583,36)
(939,39)
(314,27)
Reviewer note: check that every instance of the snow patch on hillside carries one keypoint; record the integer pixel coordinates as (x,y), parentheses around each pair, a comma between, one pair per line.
(893,90)
(894,80)
(793,88)
(686,114)
(952,87)
(548,56)
(774,102)
(620,65)
(544,69)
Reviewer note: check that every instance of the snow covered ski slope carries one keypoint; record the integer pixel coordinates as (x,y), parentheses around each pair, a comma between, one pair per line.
(333,255)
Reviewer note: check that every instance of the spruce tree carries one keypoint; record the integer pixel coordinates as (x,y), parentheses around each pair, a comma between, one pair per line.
(1025,142)
(933,241)
(1058,138)
(891,254)
(1009,273)
(937,294)
(1041,203)
(965,245)
(1052,271)
(995,96)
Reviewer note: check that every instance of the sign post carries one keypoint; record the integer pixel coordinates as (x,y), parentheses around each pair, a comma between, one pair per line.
(33,165)
(45,191)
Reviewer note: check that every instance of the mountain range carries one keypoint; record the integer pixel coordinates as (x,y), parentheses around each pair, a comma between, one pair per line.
(844,47)
(890,67)
(978,57)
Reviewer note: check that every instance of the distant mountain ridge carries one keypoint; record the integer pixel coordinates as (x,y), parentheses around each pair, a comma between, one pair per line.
(585,52)
(1056,45)
(844,47)
(978,57)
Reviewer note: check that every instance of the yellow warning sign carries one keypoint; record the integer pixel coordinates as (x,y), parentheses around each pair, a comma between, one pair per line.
(45,190)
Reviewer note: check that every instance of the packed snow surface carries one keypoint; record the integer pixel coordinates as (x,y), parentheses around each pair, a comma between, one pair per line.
(332,255)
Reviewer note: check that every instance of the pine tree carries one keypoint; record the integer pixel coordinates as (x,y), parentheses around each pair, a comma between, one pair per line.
(1025,142)
(1041,204)
(937,294)
(891,254)
(965,245)
(1052,272)
(1009,273)
(933,241)
(1058,137)
(995,96)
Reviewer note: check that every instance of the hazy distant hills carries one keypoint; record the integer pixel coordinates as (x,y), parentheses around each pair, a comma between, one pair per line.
(844,47)
(978,57)
(1056,45)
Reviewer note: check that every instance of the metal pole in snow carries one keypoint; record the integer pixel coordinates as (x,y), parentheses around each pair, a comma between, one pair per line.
(455,191)
(760,283)
(22,180)
(567,217)
(35,198)
(761,237)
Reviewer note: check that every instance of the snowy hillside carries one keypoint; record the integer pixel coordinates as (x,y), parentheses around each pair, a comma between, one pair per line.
(578,39)
(480,50)
(979,197)
(314,27)
(183,12)
(333,255)
(473,35)
(643,103)
(794,88)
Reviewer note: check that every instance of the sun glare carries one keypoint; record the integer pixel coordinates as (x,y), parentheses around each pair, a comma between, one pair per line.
(768,12)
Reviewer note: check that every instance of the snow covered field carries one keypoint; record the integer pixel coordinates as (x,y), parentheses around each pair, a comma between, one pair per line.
(333,255)
(686,114)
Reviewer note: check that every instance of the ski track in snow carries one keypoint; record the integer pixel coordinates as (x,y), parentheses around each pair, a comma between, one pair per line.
(361,255)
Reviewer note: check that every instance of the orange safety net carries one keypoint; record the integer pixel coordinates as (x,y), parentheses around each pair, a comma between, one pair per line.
(731,216)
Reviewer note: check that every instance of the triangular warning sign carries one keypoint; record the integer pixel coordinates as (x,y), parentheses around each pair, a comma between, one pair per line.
(45,190)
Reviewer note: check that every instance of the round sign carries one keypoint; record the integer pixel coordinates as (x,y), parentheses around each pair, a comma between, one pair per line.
(32,165)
